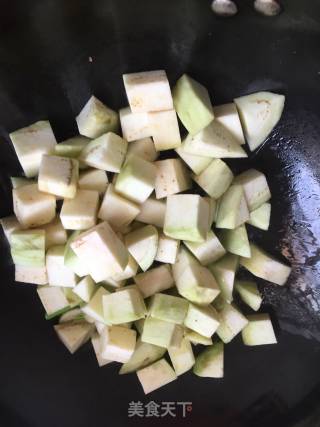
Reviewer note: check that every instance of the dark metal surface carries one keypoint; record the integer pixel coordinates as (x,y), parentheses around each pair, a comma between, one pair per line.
(45,72)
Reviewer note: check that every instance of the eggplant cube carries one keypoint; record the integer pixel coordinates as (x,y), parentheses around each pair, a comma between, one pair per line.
(215,179)
(152,211)
(148,91)
(58,273)
(210,363)
(58,176)
(167,249)
(30,143)
(208,251)
(143,245)
(95,341)
(136,179)
(224,271)
(117,343)
(10,224)
(71,147)
(236,241)
(124,306)
(96,118)
(182,358)
(94,308)
(169,308)
(143,148)
(53,299)
(103,252)
(117,210)
(159,332)
(85,289)
(55,233)
(134,125)
(28,248)
(227,115)
(34,275)
(164,129)
(249,293)
(232,209)
(187,217)
(73,334)
(193,104)
(232,322)
(255,187)
(172,177)
(196,163)
(33,208)
(155,280)
(93,179)
(259,330)
(156,375)
(204,320)
(260,217)
(80,213)
(106,152)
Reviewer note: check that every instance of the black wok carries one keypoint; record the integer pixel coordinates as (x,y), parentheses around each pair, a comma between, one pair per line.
(46,72)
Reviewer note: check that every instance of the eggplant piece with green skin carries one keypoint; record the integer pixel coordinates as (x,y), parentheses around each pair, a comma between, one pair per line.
(259,330)
(32,207)
(260,217)
(95,119)
(143,148)
(249,293)
(255,187)
(10,224)
(169,308)
(73,315)
(142,244)
(124,306)
(107,152)
(182,358)
(236,241)
(210,363)
(58,176)
(161,333)
(224,271)
(144,354)
(214,141)
(30,143)
(94,308)
(232,322)
(28,248)
(196,163)
(215,179)
(53,300)
(259,113)
(156,375)
(85,288)
(265,266)
(192,102)
(71,147)
(193,226)
(155,280)
(136,179)
(232,208)
(228,116)
(117,210)
(117,343)
(208,251)
(193,281)
(203,320)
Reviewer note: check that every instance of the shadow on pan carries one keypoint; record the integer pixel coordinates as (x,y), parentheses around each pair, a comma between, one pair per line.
(45,72)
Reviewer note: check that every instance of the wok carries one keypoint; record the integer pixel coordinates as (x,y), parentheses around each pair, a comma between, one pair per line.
(54,55)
